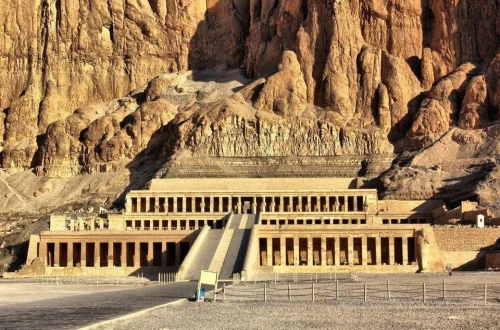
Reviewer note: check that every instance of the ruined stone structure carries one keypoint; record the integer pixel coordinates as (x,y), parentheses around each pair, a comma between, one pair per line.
(240,225)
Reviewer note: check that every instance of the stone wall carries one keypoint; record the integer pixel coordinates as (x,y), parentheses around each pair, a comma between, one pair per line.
(465,239)
(463,248)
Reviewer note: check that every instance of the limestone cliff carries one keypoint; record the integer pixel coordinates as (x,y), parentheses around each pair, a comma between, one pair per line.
(89,86)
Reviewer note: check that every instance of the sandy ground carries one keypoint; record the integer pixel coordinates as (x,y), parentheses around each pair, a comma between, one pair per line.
(350,312)
(303,315)
(22,292)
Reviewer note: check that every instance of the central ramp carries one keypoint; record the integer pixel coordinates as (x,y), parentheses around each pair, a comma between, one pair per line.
(220,250)
(235,257)
(205,254)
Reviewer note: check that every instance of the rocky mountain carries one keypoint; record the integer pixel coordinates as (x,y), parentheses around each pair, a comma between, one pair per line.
(92,86)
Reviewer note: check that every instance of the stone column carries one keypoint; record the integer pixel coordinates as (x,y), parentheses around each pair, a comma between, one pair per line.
(221,206)
(308,206)
(150,254)
(111,254)
(57,255)
(193,204)
(123,256)
(283,250)
(254,206)
(128,205)
(378,251)
(142,224)
(148,205)
(137,254)
(337,250)
(350,250)
(97,254)
(175,205)
(309,251)
(269,242)
(391,250)
(184,206)
(43,253)
(166,204)
(323,251)
(346,204)
(157,205)
(282,206)
(101,224)
(355,203)
(405,250)
(229,203)
(296,250)
(83,254)
(318,204)
(364,250)
(70,254)
(239,205)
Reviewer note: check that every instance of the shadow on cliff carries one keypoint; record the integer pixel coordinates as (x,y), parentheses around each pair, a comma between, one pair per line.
(221,37)
(147,163)
(218,43)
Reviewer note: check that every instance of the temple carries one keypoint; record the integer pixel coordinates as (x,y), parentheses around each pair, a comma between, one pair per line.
(243,225)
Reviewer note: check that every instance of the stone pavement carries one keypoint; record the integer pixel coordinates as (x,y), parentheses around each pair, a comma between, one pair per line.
(79,311)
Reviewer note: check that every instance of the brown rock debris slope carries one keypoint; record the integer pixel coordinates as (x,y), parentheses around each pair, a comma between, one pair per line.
(127,88)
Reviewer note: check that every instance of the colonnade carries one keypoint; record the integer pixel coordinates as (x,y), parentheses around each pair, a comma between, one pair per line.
(247,204)
(114,254)
(336,250)
(174,224)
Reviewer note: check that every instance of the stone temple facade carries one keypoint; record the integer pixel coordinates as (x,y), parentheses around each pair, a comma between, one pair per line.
(241,225)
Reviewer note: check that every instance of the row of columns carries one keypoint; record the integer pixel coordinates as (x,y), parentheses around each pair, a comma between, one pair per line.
(181,224)
(302,221)
(277,204)
(336,251)
(111,253)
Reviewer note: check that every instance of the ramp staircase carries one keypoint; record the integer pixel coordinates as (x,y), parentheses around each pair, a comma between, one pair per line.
(205,254)
(235,257)
(223,250)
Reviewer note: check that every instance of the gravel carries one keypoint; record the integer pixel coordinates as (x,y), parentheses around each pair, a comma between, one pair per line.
(302,315)
(462,309)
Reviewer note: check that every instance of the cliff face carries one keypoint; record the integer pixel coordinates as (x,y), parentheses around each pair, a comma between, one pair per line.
(88,85)
(59,55)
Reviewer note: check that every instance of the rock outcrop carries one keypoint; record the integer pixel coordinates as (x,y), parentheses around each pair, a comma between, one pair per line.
(57,56)
(90,86)
(284,93)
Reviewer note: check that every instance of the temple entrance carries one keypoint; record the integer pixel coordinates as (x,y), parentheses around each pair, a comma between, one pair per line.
(247,206)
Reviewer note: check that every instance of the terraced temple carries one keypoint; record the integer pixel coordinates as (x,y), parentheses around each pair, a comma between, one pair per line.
(244,225)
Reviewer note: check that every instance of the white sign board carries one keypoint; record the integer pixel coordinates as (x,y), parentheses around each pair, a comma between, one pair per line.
(210,278)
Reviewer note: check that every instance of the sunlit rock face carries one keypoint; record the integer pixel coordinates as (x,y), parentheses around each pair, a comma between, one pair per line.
(88,86)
